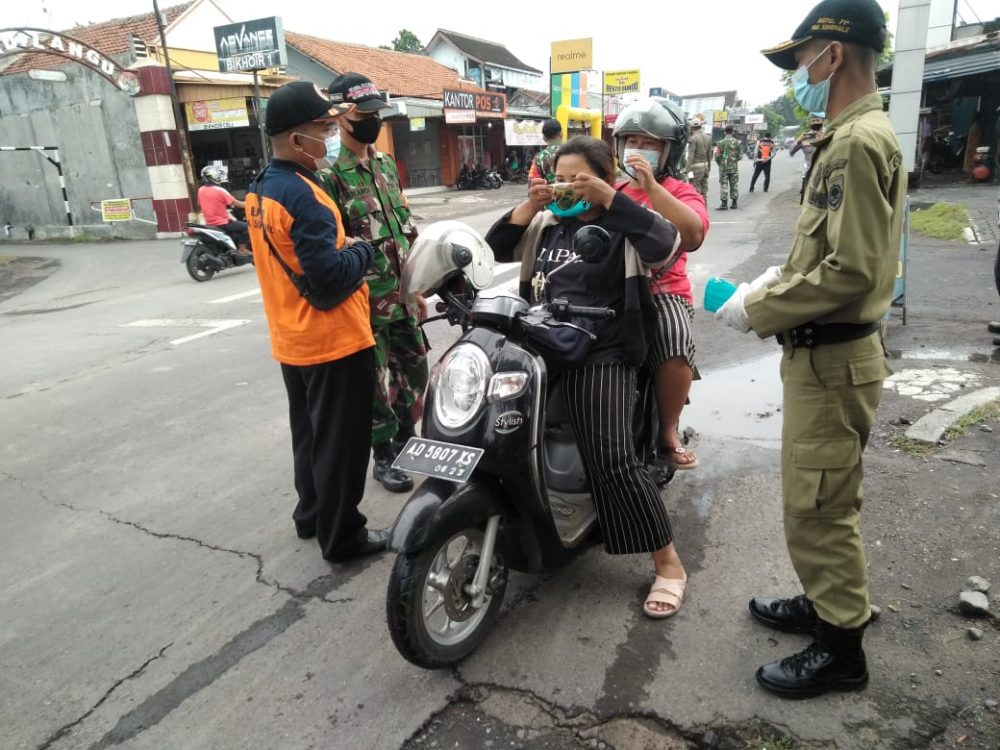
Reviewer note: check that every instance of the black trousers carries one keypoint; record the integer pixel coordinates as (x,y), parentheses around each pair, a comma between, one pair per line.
(601,403)
(765,167)
(330,411)
(238,231)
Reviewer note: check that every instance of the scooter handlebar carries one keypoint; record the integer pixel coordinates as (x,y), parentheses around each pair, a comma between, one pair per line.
(563,310)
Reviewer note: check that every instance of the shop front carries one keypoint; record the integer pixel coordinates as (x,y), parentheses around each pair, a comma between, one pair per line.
(473,133)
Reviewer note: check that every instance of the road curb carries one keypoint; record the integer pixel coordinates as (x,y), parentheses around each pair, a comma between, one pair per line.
(931,427)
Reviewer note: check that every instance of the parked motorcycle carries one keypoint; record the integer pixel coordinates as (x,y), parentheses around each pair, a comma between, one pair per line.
(208,250)
(506,487)
(947,153)
(478,178)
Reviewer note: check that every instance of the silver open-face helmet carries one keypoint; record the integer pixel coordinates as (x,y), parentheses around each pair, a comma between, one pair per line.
(444,250)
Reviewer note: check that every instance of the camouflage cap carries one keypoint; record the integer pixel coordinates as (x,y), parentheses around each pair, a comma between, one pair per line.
(855,21)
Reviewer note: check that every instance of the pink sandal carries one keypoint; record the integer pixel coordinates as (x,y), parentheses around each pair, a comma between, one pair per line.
(669,591)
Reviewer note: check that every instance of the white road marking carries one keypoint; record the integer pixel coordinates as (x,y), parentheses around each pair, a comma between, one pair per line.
(213,326)
(234,297)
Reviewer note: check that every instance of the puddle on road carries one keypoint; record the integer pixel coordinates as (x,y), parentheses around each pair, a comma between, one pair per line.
(741,402)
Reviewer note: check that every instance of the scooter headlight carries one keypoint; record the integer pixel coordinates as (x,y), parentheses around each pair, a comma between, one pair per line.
(460,381)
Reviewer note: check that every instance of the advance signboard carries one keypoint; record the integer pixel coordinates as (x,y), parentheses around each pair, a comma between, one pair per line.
(251,45)
(481,104)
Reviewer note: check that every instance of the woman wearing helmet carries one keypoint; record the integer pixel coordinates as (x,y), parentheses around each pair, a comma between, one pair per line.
(649,136)
(215,202)
(542,232)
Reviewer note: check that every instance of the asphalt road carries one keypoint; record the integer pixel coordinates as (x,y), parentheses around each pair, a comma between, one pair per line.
(153,593)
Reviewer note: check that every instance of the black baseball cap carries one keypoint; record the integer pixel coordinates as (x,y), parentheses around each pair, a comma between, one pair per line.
(854,21)
(297,103)
(356,89)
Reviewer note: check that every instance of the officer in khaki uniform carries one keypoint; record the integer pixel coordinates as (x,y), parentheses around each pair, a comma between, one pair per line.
(824,305)
(699,156)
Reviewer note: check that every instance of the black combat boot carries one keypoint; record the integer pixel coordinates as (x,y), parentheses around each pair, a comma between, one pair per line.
(392,479)
(724,206)
(399,442)
(733,204)
(795,615)
(835,661)
(993,327)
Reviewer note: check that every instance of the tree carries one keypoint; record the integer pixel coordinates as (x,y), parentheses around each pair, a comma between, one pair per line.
(775,121)
(405,41)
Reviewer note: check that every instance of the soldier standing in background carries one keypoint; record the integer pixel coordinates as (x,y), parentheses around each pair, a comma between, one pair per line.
(727,156)
(543,165)
(699,156)
(365,184)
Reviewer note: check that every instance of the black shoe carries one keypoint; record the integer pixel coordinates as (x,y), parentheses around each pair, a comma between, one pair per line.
(733,204)
(751,189)
(795,615)
(835,661)
(993,327)
(305,530)
(376,540)
(723,207)
(392,479)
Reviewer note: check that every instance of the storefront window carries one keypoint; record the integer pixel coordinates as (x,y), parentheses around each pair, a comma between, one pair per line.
(473,145)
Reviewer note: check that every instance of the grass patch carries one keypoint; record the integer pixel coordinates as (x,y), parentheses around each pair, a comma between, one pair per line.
(943,221)
(761,737)
(914,448)
(986,413)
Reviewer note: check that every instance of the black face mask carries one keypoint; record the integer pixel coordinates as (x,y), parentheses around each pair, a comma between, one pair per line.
(817,127)
(366,130)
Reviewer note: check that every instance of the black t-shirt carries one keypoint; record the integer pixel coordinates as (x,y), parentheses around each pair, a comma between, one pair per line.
(595,284)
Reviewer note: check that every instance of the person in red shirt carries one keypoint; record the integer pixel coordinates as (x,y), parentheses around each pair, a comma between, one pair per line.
(649,136)
(215,202)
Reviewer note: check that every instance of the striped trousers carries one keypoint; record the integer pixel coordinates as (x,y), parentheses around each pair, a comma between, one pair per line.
(601,402)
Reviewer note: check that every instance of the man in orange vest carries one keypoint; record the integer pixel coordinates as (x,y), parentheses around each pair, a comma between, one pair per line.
(305,263)
(762,156)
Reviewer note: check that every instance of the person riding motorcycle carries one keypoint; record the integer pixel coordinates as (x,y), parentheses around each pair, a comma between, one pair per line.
(215,202)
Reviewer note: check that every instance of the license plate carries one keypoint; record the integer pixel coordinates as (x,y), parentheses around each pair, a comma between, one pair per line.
(437,459)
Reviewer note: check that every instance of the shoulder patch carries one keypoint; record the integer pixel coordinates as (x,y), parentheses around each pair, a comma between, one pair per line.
(836,192)
(833,167)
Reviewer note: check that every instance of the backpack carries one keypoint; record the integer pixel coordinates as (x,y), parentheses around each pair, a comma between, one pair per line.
(766,147)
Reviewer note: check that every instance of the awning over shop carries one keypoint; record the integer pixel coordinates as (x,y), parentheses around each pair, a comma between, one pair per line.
(974,63)
(204,85)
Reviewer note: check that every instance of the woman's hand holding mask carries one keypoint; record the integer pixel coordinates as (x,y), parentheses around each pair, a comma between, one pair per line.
(593,190)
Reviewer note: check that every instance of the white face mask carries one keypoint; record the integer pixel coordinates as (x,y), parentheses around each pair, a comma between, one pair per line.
(651,157)
(332,144)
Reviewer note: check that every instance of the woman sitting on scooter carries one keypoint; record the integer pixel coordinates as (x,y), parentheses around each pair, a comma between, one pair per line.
(599,393)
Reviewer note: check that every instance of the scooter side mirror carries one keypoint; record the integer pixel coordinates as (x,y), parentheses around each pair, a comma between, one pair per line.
(592,243)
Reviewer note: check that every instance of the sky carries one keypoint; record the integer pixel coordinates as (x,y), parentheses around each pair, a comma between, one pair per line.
(689,47)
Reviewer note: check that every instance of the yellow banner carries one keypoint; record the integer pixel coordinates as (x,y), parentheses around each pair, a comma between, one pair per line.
(217,114)
(720,116)
(572,55)
(116,209)
(621,82)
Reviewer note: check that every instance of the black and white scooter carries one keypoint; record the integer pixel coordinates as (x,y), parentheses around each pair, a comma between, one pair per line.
(207,250)
(506,487)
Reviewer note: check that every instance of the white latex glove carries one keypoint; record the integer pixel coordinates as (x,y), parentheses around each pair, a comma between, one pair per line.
(734,313)
(766,280)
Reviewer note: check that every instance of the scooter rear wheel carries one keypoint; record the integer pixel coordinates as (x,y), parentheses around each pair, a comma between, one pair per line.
(431,618)
(197,266)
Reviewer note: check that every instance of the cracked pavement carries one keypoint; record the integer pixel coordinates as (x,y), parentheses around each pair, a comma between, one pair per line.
(154,594)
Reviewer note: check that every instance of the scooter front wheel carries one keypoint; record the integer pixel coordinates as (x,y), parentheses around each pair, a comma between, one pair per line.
(432,618)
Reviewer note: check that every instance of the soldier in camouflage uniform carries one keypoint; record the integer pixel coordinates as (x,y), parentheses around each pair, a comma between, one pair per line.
(727,156)
(365,185)
(543,166)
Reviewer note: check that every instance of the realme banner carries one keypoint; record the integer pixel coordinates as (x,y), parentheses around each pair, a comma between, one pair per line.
(572,55)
